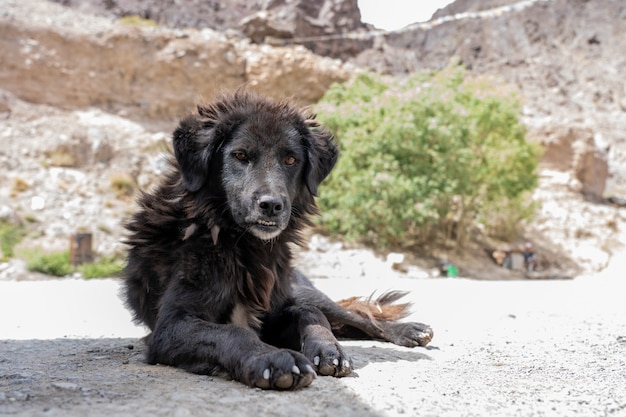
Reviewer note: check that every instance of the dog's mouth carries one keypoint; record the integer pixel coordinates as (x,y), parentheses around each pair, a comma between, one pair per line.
(265,229)
(266,223)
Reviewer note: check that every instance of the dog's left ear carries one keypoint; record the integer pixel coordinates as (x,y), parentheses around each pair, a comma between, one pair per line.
(322,154)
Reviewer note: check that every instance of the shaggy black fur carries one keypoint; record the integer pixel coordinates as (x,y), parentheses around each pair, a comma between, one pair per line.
(209,265)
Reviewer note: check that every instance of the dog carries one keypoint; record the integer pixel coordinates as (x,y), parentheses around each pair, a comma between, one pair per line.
(209,265)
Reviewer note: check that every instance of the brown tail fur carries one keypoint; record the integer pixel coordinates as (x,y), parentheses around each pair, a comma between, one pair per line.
(379,309)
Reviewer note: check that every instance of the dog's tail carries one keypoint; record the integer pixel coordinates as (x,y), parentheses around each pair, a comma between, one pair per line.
(382,308)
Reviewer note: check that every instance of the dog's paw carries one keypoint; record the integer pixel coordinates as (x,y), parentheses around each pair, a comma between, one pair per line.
(280,369)
(328,357)
(408,334)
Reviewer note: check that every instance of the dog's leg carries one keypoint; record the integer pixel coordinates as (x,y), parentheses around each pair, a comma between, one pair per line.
(208,348)
(359,324)
(305,328)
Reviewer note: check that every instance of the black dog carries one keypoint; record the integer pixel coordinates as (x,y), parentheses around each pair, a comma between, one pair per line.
(209,265)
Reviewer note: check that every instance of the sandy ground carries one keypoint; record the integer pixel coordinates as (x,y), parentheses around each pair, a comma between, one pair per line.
(503,348)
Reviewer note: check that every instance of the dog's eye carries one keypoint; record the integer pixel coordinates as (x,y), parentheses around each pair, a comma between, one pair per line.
(290,160)
(240,156)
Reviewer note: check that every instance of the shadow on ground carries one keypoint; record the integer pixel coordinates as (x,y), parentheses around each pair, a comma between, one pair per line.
(72,377)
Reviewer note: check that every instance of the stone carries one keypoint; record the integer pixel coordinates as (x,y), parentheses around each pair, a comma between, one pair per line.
(572,148)
(591,169)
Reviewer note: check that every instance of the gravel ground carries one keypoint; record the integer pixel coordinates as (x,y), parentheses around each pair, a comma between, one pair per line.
(503,348)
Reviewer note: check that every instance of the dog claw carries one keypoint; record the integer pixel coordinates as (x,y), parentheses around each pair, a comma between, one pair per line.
(295,370)
(316,361)
(266,374)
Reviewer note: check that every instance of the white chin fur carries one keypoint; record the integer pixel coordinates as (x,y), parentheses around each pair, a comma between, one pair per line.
(264,234)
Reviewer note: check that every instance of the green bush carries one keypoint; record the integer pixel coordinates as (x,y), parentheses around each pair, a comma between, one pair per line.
(103,268)
(58,264)
(10,235)
(427,158)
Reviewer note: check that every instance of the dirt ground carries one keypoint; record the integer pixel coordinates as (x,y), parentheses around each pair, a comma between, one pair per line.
(501,348)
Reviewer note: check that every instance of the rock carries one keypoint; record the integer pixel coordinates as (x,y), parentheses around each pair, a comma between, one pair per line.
(101,148)
(69,386)
(37,203)
(572,148)
(290,70)
(591,169)
(5,109)
(6,213)
(558,144)
(310,24)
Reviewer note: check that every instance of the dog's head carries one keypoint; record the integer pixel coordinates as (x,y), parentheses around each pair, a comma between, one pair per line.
(265,158)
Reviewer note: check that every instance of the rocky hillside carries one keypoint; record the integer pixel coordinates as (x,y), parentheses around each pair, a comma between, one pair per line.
(89,96)
(76,60)
(565,56)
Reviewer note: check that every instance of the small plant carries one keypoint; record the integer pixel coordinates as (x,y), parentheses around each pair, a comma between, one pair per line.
(103,268)
(19,186)
(31,218)
(56,263)
(123,184)
(104,229)
(138,21)
(62,157)
(10,235)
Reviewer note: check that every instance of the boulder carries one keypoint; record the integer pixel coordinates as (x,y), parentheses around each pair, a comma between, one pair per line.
(316,25)
(591,168)
(573,149)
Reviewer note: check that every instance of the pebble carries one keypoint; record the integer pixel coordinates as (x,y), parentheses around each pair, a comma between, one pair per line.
(69,386)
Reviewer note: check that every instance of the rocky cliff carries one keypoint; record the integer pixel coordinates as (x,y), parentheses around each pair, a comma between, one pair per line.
(77,60)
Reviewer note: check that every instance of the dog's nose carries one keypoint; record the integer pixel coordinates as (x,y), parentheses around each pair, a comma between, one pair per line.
(271,205)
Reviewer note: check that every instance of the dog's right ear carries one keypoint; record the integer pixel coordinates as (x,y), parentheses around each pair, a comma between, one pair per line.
(194,146)
(322,155)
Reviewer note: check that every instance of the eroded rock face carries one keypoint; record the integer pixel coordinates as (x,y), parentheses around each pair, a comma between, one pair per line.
(218,15)
(591,168)
(312,24)
(78,60)
(286,21)
(574,149)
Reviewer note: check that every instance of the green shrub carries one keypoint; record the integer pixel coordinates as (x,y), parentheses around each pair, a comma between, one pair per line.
(102,268)
(57,263)
(430,157)
(10,235)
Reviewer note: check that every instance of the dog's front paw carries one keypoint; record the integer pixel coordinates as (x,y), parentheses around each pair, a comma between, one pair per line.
(328,357)
(280,369)
(408,334)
